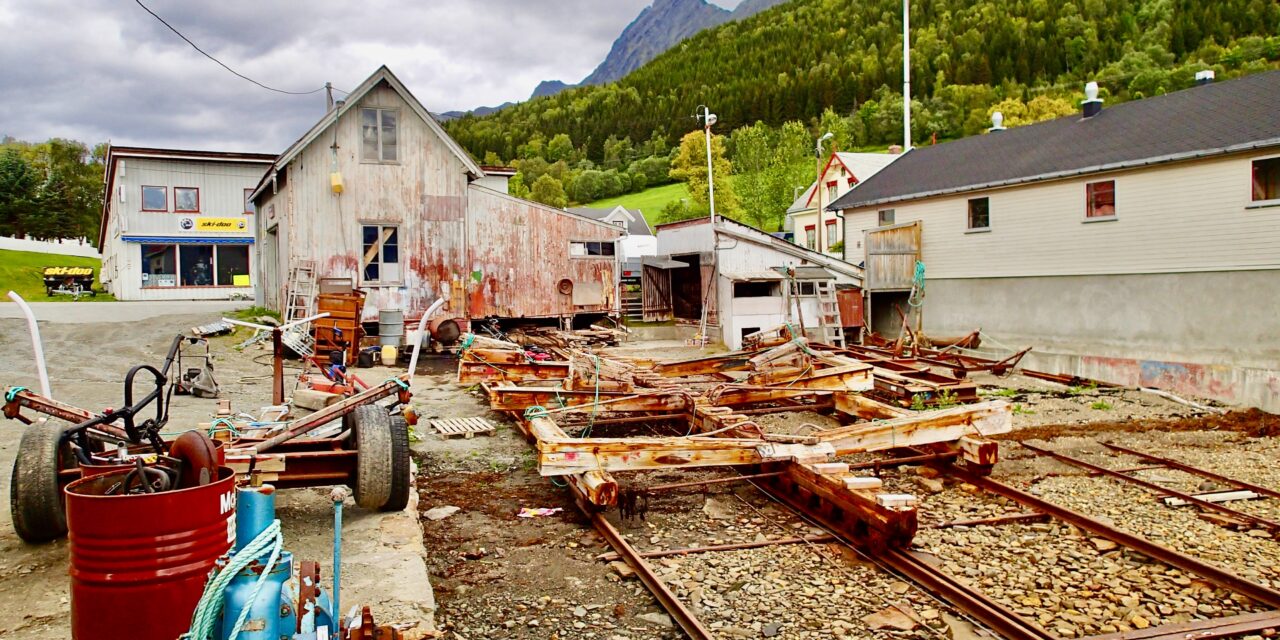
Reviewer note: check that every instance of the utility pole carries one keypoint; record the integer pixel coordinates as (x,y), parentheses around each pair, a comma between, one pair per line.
(709,119)
(821,242)
(906,75)
(328,95)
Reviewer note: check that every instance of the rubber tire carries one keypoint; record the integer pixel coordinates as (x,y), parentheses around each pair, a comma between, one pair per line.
(371,433)
(36,502)
(401,482)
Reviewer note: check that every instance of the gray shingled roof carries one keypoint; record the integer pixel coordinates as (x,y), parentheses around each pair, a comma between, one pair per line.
(636,227)
(1223,117)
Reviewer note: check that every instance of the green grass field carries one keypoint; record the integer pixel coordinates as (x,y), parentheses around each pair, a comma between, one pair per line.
(650,201)
(20,271)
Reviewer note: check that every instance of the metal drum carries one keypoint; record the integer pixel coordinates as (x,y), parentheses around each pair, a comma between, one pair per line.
(391,327)
(139,562)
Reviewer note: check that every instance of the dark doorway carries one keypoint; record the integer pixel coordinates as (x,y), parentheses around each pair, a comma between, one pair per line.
(686,288)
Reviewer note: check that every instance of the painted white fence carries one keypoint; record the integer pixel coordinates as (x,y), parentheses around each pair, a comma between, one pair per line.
(79,247)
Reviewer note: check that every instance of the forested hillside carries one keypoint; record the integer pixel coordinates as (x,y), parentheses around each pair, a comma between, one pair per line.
(793,61)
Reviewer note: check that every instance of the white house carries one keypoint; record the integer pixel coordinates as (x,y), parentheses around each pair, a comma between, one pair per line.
(812,225)
(1137,243)
(178,224)
(738,275)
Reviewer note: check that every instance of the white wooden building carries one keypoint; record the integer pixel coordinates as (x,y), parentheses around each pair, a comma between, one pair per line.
(735,273)
(178,224)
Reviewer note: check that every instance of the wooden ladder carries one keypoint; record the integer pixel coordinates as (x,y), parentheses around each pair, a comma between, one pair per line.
(829,313)
(300,302)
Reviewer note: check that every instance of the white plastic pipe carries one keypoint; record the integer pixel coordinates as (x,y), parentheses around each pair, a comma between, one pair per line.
(417,348)
(36,345)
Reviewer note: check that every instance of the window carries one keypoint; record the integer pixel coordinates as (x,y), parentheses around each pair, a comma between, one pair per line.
(186,199)
(831,191)
(763,289)
(807,289)
(885,217)
(590,249)
(195,265)
(1100,199)
(159,265)
(155,199)
(831,233)
(1266,179)
(378,135)
(249,209)
(381,260)
(980,213)
(811,236)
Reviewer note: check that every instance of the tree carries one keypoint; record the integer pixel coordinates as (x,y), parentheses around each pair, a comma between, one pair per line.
(560,148)
(492,159)
(549,191)
(17,192)
(690,167)
(588,186)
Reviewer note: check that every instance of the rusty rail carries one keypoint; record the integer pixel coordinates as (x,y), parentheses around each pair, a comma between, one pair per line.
(682,616)
(333,412)
(1182,466)
(737,546)
(57,409)
(1229,626)
(1203,504)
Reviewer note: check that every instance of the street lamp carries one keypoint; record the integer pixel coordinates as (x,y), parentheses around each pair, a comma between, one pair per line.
(708,119)
(817,177)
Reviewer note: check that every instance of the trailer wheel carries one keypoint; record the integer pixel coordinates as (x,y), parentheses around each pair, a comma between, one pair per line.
(401,482)
(371,431)
(35,496)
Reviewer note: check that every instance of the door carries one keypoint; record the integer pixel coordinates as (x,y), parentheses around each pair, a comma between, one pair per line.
(655,292)
(891,255)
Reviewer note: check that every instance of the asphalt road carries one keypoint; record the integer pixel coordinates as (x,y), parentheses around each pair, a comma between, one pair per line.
(89,312)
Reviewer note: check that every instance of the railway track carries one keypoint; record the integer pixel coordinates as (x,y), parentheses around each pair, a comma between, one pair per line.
(923,571)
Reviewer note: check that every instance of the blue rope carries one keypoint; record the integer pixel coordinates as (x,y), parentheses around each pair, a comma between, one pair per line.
(400,383)
(12,393)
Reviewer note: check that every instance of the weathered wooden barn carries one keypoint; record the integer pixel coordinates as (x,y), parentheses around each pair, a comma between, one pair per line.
(378,193)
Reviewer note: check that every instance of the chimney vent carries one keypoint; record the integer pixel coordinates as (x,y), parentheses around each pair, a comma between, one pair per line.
(1205,77)
(1092,103)
(997,122)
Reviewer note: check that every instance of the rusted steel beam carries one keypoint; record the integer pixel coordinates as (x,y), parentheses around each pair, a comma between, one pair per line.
(947,425)
(56,409)
(887,463)
(1229,626)
(856,515)
(1182,466)
(994,615)
(1151,486)
(666,553)
(679,613)
(473,372)
(1214,574)
(1012,518)
(512,398)
(1066,379)
(658,488)
(337,410)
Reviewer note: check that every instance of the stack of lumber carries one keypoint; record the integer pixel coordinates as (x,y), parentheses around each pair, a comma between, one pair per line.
(550,337)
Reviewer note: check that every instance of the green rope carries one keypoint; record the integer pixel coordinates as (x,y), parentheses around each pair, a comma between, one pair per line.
(917,286)
(399,383)
(536,411)
(223,424)
(209,608)
(12,393)
(467,340)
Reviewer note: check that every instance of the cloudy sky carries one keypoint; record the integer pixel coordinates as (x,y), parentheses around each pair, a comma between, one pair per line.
(106,70)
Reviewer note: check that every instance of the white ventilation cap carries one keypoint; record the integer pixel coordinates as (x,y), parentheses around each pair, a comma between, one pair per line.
(1091,91)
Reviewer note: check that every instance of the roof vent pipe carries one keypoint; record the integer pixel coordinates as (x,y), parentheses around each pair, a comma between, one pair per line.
(1205,77)
(997,122)
(1092,103)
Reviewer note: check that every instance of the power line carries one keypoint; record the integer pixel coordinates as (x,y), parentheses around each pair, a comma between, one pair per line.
(233,71)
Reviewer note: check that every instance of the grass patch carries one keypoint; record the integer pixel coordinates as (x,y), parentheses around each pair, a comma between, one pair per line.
(1004,393)
(1018,409)
(251,314)
(1101,405)
(650,201)
(21,271)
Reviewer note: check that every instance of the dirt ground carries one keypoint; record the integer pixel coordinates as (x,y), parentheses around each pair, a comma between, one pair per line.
(383,558)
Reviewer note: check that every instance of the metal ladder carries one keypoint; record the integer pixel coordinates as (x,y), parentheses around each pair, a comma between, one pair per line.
(300,302)
(829,313)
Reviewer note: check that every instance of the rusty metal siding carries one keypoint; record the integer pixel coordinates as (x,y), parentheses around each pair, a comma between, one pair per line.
(891,255)
(519,254)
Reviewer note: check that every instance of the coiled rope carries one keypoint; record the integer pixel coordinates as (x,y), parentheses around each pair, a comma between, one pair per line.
(917,286)
(209,609)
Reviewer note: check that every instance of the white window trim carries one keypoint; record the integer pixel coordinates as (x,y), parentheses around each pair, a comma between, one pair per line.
(399,257)
(379,111)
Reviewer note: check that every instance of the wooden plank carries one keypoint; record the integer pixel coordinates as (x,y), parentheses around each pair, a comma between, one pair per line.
(947,425)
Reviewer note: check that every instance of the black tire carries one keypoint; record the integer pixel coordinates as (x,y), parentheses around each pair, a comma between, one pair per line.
(36,501)
(371,433)
(401,482)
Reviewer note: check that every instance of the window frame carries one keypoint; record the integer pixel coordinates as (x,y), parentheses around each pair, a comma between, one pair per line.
(1254,200)
(892,217)
(175,200)
(381,281)
(829,228)
(756,289)
(811,237)
(599,245)
(213,267)
(142,202)
(1090,194)
(249,208)
(969,226)
(833,188)
(378,128)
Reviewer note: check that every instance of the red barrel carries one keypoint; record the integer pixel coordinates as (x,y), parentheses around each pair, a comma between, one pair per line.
(139,562)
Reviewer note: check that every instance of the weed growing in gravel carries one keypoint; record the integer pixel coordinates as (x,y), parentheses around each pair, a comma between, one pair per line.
(1018,409)
(1004,393)
(1101,405)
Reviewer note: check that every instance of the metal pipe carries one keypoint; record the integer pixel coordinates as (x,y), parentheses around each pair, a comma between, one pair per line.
(36,344)
(422,323)
(338,495)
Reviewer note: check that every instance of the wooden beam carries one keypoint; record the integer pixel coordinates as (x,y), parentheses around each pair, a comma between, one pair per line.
(947,425)
(860,406)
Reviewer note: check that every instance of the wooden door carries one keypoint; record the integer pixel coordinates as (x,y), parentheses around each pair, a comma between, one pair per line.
(655,292)
(891,255)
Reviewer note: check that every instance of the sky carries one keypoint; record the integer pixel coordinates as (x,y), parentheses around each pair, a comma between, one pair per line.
(105,70)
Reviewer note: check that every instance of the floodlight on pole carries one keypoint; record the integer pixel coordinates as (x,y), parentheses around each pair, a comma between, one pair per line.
(708,119)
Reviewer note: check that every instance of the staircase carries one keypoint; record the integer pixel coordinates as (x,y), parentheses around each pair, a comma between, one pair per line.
(300,302)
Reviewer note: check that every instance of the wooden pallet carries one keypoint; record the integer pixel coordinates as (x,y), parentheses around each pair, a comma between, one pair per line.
(462,427)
